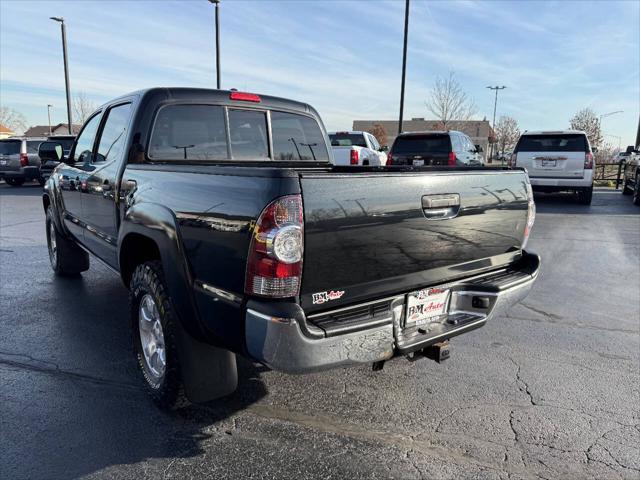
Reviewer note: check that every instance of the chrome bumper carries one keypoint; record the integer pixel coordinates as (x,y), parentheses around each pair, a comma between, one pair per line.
(283,343)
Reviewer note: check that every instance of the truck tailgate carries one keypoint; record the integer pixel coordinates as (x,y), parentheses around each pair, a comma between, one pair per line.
(373,234)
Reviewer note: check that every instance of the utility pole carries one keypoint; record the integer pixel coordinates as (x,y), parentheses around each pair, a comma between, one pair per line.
(217,4)
(404,63)
(49,115)
(495,106)
(66,68)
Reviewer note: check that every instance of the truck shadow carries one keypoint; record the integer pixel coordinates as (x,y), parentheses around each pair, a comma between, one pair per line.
(605,201)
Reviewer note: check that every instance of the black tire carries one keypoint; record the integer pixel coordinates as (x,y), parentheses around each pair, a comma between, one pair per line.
(167,389)
(625,188)
(585,196)
(636,191)
(65,256)
(14,182)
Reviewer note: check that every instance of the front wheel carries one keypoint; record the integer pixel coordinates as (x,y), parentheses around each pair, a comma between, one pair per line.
(636,191)
(65,256)
(154,335)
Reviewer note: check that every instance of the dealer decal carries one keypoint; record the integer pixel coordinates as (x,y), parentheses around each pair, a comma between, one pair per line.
(322,297)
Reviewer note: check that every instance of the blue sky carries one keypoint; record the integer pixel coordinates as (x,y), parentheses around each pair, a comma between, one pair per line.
(343,57)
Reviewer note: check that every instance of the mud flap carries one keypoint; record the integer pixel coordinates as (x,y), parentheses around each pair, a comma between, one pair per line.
(208,372)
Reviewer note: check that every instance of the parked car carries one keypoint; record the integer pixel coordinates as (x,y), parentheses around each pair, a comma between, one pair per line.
(47,167)
(231,242)
(557,161)
(357,148)
(631,178)
(440,148)
(19,160)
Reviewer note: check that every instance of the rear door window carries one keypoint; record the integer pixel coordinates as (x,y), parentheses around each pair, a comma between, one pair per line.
(552,143)
(189,132)
(248,133)
(297,137)
(10,147)
(114,132)
(418,144)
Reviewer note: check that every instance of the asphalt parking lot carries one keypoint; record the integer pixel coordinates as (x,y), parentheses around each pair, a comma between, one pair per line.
(550,391)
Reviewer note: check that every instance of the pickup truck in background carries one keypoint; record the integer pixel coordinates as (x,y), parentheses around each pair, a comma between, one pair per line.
(235,235)
(357,148)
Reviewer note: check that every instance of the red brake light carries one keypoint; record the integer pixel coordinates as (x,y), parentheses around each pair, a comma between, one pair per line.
(355,156)
(245,97)
(389,158)
(274,264)
(452,159)
(24,160)
(588,161)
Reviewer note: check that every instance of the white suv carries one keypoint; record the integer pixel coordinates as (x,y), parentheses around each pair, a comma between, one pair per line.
(555,161)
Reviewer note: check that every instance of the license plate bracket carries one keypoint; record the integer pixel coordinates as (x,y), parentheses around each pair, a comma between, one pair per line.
(549,163)
(426,306)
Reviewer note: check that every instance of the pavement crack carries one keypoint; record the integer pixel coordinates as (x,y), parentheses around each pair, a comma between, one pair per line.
(523,386)
(52,368)
(539,311)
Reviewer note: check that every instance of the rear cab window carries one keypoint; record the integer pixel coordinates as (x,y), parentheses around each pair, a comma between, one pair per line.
(574,142)
(417,144)
(10,147)
(346,139)
(218,133)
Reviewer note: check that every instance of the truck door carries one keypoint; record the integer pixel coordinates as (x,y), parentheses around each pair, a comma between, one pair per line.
(72,176)
(99,196)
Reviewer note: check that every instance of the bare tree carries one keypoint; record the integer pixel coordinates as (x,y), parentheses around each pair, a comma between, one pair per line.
(380,133)
(82,108)
(587,121)
(13,120)
(507,133)
(449,103)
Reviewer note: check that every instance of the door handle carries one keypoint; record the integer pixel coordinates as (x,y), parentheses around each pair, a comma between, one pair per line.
(441,207)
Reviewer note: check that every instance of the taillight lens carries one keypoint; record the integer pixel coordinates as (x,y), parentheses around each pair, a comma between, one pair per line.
(274,265)
(24,160)
(245,97)
(512,159)
(355,156)
(452,159)
(389,159)
(531,214)
(588,160)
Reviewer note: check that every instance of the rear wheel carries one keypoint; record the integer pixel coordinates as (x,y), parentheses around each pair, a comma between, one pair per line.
(65,256)
(625,188)
(636,191)
(585,195)
(14,182)
(154,335)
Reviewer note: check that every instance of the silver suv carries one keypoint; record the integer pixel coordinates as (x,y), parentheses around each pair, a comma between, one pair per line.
(19,160)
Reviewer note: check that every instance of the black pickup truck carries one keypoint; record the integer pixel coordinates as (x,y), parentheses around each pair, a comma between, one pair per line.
(235,234)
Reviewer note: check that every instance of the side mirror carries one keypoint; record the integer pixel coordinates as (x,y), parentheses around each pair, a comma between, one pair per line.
(630,149)
(479,149)
(50,151)
(384,148)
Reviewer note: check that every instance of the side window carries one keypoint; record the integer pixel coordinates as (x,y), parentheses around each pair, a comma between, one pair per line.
(455,142)
(32,146)
(114,133)
(374,143)
(248,132)
(84,145)
(469,144)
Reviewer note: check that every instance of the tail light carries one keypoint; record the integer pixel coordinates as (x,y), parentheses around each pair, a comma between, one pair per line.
(355,156)
(389,158)
(452,159)
(531,214)
(24,160)
(512,159)
(245,97)
(588,160)
(274,265)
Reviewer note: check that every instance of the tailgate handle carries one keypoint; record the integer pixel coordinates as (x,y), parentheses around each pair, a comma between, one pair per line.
(439,207)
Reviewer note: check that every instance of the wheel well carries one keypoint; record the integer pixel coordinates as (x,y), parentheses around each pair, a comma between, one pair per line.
(136,249)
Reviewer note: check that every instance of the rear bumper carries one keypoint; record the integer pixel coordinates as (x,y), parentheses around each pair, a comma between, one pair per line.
(29,172)
(279,336)
(563,183)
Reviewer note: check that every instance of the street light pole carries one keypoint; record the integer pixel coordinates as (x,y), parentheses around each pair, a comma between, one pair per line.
(495,106)
(404,64)
(49,115)
(66,69)
(218,80)
(605,115)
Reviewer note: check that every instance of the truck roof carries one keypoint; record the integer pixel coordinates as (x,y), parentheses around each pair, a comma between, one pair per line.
(217,96)
(428,132)
(552,132)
